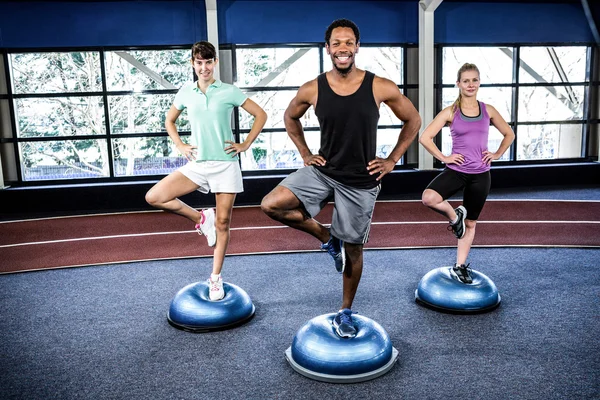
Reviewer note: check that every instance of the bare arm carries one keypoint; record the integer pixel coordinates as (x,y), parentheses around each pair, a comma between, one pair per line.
(260,118)
(386,91)
(504,129)
(305,98)
(186,150)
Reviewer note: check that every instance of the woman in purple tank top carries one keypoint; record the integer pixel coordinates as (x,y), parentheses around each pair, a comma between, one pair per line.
(468,167)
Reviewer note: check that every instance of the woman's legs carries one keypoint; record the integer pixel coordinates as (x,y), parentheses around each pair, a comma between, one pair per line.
(464,244)
(164,195)
(224,203)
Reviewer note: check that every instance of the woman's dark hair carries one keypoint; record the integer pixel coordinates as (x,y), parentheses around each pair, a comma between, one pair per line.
(205,50)
(342,23)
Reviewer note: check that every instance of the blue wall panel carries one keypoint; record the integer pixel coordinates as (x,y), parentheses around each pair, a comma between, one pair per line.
(253,22)
(28,24)
(511,23)
(120,23)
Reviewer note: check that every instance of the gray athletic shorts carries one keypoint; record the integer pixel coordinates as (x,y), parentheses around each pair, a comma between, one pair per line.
(352,210)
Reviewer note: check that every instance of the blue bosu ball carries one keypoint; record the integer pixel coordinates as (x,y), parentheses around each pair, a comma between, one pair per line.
(317,352)
(440,290)
(192,310)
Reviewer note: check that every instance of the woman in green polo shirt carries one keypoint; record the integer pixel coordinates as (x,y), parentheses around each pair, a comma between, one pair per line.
(212,155)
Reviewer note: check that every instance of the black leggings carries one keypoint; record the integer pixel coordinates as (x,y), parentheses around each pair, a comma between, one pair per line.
(476,188)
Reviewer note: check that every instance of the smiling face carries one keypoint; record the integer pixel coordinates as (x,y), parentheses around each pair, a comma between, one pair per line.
(341,48)
(468,83)
(204,68)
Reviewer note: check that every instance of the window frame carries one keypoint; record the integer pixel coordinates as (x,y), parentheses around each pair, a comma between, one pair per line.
(514,122)
(104,94)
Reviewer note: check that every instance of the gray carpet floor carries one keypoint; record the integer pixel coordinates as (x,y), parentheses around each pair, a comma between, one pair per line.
(101,332)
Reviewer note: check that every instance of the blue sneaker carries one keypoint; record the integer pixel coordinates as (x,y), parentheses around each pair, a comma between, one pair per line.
(342,322)
(335,247)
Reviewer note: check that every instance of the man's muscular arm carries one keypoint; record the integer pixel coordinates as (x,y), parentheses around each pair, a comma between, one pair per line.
(305,98)
(387,92)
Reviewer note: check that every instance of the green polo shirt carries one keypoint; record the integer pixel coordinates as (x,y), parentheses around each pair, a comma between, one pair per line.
(210,117)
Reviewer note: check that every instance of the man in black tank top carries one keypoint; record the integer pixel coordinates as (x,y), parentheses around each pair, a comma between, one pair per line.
(346,101)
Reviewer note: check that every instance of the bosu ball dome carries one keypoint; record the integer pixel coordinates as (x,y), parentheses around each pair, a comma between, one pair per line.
(317,352)
(438,289)
(192,310)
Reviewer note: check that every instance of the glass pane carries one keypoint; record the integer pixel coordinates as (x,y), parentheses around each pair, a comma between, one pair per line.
(143,113)
(148,70)
(65,159)
(499,97)
(550,103)
(382,61)
(494,140)
(283,66)
(56,72)
(60,116)
(386,141)
(549,141)
(146,156)
(275,103)
(552,64)
(387,116)
(494,63)
(275,150)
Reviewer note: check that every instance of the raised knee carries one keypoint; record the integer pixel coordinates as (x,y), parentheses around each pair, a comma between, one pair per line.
(428,199)
(266,205)
(151,198)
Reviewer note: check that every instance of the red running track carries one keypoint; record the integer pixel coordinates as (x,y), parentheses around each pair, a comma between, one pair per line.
(126,237)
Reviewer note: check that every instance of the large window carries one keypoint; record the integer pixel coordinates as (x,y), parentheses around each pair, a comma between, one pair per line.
(543,100)
(96,114)
(99,114)
(271,76)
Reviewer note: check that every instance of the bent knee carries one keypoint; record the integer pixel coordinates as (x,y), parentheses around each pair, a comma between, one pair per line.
(266,205)
(151,197)
(470,223)
(270,204)
(430,198)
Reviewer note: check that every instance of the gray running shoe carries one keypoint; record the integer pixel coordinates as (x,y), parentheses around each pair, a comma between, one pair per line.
(459,227)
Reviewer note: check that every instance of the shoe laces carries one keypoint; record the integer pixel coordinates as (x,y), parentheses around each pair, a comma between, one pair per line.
(214,285)
(345,318)
(465,267)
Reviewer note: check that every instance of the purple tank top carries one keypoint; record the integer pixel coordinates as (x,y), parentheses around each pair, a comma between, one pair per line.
(470,138)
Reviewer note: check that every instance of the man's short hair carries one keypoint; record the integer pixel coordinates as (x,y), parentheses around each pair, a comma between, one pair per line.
(342,23)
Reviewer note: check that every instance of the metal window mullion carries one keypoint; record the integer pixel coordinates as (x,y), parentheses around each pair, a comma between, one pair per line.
(321,58)
(404,72)
(438,86)
(13,119)
(234,76)
(587,112)
(515,102)
(111,172)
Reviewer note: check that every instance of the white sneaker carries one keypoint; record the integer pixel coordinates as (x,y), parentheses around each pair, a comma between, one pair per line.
(207,226)
(216,291)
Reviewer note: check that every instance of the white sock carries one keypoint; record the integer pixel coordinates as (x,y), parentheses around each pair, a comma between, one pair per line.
(455,221)
(214,277)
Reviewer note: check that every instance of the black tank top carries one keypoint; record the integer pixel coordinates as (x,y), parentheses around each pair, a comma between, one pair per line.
(348,132)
